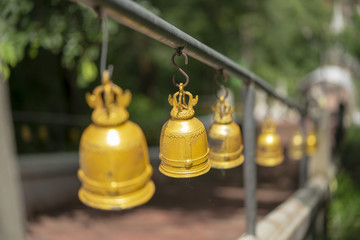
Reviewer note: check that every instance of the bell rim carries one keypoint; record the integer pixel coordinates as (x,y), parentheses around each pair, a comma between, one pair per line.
(125,186)
(274,154)
(120,202)
(295,155)
(182,172)
(227,164)
(182,162)
(311,152)
(227,156)
(278,161)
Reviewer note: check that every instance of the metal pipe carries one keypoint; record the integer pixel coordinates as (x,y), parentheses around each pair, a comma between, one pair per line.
(249,131)
(136,17)
(304,159)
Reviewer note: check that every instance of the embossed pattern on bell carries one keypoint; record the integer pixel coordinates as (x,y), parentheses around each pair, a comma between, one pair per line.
(183,140)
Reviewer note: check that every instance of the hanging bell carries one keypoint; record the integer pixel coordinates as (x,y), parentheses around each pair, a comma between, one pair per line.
(183,142)
(269,151)
(114,164)
(296,147)
(225,140)
(311,143)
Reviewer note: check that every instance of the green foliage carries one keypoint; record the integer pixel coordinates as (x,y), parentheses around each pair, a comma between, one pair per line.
(64,28)
(344,214)
(147,115)
(350,154)
(284,38)
(88,73)
(349,41)
(278,40)
(350,38)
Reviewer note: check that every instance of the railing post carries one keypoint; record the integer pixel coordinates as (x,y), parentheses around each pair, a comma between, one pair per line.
(304,160)
(321,163)
(12,219)
(249,131)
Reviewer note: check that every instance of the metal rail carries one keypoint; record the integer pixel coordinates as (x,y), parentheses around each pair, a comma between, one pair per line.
(136,17)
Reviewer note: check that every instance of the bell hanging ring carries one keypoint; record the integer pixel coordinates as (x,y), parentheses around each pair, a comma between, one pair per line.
(296,147)
(183,142)
(225,139)
(114,164)
(311,143)
(269,151)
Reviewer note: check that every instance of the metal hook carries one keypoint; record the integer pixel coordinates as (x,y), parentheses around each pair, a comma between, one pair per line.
(221,72)
(179,53)
(104,44)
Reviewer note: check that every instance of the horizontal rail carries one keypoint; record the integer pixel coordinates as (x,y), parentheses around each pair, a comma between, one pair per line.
(136,17)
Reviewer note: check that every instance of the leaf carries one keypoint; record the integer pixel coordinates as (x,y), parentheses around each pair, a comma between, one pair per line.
(88,71)
(8,53)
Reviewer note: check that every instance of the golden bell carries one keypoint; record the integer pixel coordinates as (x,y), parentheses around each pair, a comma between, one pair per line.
(296,147)
(183,142)
(269,151)
(225,140)
(311,143)
(114,164)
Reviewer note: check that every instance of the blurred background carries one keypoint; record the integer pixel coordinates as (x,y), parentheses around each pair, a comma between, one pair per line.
(49,56)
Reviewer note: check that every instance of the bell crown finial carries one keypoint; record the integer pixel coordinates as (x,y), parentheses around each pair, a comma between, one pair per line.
(268,126)
(222,111)
(111,109)
(182,109)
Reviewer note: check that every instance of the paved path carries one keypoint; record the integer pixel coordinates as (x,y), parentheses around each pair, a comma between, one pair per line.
(203,208)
